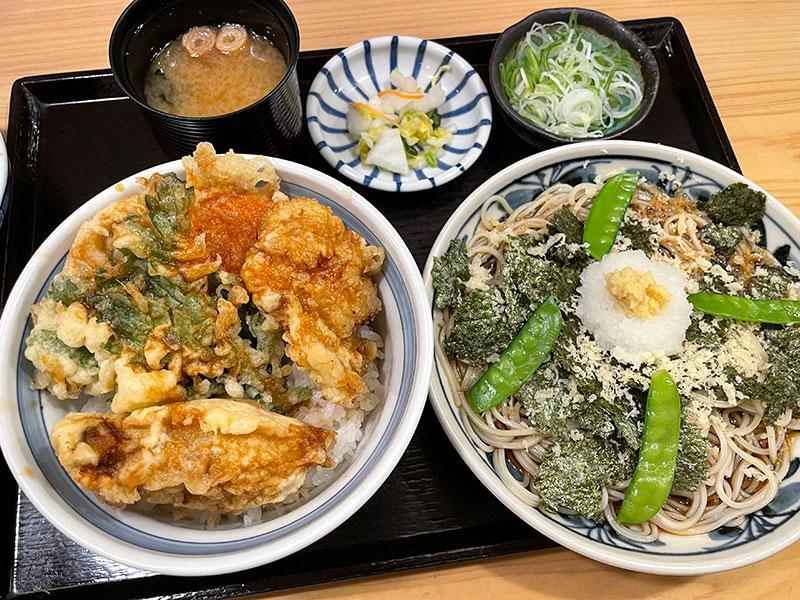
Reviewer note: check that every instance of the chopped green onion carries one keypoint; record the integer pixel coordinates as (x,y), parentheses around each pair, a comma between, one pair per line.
(438,75)
(410,150)
(571,81)
(430,158)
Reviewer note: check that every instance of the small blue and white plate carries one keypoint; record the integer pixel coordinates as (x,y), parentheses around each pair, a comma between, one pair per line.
(763,533)
(362,70)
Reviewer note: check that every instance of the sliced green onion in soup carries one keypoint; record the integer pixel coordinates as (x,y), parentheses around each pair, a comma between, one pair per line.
(571,81)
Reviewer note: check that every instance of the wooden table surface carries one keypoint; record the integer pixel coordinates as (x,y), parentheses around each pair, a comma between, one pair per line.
(749,53)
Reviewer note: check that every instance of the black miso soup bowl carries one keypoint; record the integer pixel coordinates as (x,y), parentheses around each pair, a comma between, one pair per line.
(269,126)
(602,24)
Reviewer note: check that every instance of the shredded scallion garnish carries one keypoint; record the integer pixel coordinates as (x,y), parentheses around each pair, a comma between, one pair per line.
(571,81)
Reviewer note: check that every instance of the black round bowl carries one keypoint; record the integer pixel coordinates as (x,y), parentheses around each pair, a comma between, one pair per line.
(604,25)
(269,126)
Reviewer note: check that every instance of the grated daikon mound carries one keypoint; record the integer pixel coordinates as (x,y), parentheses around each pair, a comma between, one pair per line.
(631,339)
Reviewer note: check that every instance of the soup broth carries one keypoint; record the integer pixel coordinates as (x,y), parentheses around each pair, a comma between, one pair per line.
(213,71)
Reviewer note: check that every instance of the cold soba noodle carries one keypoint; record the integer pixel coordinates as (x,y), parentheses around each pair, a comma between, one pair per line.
(213,71)
(736,472)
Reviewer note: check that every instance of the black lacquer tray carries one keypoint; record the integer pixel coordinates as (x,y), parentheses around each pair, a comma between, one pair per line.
(72,135)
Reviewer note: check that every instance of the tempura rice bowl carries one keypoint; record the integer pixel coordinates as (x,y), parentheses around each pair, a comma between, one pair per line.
(150,540)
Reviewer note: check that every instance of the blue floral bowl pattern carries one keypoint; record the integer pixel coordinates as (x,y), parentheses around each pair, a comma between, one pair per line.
(764,532)
(361,70)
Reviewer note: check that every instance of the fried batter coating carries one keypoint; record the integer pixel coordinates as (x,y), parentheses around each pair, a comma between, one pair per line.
(232,195)
(314,276)
(96,238)
(207,173)
(215,454)
(138,279)
(67,348)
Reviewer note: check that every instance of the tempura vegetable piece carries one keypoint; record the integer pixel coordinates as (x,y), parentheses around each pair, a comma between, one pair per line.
(215,454)
(207,173)
(67,348)
(168,206)
(139,388)
(314,275)
(96,238)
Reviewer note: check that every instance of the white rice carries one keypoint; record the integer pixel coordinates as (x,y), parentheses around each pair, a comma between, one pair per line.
(348,423)
(350,427)
(632,339)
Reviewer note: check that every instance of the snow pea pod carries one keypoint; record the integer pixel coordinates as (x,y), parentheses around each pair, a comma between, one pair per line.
(607,213)
(519,361)
(652,481)
(778,312)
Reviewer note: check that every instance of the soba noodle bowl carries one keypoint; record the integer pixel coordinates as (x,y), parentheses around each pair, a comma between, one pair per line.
(748,447)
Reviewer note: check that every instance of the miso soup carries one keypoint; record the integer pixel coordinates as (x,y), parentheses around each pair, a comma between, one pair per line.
(213,70)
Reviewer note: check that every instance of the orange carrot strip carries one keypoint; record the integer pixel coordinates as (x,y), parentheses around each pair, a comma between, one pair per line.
(399,94)
(376,113)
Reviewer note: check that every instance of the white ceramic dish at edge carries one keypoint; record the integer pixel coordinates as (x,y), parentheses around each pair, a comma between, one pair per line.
(145,542)
(763,534)
(4,170)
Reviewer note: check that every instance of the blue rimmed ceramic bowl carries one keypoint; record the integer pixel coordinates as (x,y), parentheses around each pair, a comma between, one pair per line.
(146,542)
(360,71)
(763,533)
